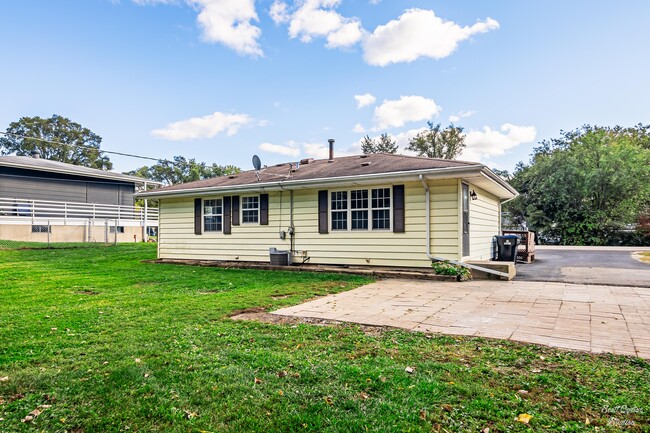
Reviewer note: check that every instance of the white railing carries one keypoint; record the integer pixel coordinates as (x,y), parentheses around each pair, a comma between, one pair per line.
(16,207)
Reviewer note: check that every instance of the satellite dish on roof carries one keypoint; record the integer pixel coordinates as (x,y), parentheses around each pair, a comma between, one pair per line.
(257,163)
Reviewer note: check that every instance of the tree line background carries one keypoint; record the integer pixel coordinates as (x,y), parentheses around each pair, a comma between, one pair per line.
(589,186)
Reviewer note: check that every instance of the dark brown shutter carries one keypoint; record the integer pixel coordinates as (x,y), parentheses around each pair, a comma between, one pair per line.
(398,209)
(322,212)
(235,210)
(264,209)
(198,223)
(226,215)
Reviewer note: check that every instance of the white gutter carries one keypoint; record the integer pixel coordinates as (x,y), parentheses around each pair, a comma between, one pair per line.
(431,174)
(427,203)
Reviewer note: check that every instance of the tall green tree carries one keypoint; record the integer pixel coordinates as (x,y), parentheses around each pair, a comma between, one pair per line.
(590,186)
(182,170)
(28,133)
(382,144)
(438,142)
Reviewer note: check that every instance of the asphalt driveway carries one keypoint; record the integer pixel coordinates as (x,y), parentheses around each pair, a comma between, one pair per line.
(587,265)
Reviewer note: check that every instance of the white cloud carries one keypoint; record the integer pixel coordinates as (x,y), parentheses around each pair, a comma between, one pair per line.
(364,100)
(395,113)
(320,150)
(359,129)
(491,142)
(418,33)
(455,118)
(316,150)
(228,22)
(289,150)
(311,19)
(278,12)
(203,127)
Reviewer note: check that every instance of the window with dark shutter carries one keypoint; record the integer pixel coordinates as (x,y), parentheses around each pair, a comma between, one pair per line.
(235,210)
(198,223)
(399,225)
(322,212)
(264,209)
(226,215)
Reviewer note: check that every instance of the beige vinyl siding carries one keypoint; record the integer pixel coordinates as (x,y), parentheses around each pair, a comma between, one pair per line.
(250,242)
(483,224)
(445,229)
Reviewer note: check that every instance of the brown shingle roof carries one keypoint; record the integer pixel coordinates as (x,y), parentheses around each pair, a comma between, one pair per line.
(345,166)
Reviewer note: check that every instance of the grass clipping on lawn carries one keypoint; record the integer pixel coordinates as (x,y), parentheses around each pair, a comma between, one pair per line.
(94,340)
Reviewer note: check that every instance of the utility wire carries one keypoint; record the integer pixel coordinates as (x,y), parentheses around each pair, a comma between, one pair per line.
(58,143)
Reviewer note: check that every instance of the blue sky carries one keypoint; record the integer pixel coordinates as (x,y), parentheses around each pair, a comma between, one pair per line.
(221,80)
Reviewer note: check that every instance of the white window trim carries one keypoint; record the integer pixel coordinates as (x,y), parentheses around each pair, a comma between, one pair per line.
(203,215)
(241,210)
(370,209)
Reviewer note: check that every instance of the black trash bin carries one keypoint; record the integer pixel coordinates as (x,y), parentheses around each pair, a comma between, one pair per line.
(507,248)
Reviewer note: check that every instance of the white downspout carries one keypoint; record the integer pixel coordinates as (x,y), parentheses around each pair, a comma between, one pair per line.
(427,203)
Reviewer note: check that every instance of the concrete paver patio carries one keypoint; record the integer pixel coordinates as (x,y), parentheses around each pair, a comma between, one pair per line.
(571,316)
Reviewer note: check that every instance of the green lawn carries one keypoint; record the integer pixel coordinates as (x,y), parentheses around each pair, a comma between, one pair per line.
(105,343)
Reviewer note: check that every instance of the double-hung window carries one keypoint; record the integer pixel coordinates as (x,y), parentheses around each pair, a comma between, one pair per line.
(250,209)
(381,209)
(340,210)
(213,215)
(361,209)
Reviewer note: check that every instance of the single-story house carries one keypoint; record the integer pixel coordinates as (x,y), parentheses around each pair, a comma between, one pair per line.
(376,209)
(43,200)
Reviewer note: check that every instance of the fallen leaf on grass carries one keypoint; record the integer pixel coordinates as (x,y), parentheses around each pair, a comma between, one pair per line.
(587,421)
(36,412)
(282,374)
(146,375)
(4,378)
(486,430)
(258,381)
(190,415)
(447,407)
(364,396)
(328,400)
(423,415)
(522,392)
(524,418)
(137,360)
(409,370)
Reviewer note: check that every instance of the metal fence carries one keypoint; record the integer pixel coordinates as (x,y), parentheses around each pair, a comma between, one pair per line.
(42,223)
(13,207)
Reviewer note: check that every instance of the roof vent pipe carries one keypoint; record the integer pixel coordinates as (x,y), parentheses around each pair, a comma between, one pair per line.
(331,142)
(36,154)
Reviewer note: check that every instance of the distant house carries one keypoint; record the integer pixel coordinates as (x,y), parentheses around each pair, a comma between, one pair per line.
(48,200)
(378,209)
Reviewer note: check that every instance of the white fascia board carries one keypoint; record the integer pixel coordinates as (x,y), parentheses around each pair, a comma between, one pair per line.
(412,175)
